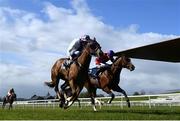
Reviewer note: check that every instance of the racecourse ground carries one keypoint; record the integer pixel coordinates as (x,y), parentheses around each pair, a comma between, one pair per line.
(86,113)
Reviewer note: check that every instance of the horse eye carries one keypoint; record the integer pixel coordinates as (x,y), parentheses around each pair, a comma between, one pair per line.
(93,46)
(128,60)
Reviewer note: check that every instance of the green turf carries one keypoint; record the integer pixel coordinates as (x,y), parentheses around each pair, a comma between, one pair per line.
(107,112)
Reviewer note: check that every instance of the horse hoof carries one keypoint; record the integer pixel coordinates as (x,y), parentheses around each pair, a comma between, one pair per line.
(68,104)
(108,102)
(61,105)
(94,108)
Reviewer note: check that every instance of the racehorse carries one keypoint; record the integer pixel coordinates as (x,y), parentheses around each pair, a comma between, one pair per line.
(77,74)
(9,100)
(109,79)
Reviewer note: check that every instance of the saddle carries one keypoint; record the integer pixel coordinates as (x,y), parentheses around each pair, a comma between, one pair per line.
(67,63)
(95,72)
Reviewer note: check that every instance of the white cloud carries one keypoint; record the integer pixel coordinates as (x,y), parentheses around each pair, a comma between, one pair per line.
(41,42)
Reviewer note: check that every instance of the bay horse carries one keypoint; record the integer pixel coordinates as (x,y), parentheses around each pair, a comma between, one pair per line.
(9,100)
(109,79)
(77,74)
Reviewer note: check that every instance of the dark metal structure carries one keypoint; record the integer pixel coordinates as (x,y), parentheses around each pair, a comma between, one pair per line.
(168,51)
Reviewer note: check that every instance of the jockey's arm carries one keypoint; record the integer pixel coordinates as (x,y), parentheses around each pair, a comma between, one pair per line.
(112,59)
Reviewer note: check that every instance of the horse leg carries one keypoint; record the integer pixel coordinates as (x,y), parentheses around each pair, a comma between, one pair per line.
(75,93)
(3,105)
(59,94)
(118,89)
(61,99)
(112,97)
(4,102)
(99,102)
(108,91)
(92,92)
(93,103)
(56,88)
(79,104)
(69,101)
(10,106)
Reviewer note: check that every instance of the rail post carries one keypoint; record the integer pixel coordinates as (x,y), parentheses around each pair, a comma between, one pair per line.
(121,102)
(149,102)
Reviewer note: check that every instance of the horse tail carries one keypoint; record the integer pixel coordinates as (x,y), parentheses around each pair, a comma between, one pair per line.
(50,84)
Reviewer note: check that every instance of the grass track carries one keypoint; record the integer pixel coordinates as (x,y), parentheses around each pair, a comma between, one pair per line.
(86,113)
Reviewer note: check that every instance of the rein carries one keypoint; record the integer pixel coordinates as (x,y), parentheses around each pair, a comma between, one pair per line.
(114,64)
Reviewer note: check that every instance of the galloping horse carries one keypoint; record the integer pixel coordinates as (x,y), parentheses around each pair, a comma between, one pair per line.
(9,100)
(109,79)
(77,73)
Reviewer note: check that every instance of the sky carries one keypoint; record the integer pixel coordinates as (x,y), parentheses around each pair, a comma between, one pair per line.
(35,33)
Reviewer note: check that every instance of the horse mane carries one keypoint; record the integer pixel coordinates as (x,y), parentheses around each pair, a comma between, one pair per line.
(116,59)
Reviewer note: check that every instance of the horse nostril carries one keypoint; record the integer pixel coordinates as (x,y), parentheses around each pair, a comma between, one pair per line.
(132,68)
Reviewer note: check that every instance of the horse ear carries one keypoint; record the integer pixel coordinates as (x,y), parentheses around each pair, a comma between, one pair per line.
(94,39)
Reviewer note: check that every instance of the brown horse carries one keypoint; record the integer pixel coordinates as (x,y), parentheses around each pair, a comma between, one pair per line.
(109,79)
(77,74)
(9,100)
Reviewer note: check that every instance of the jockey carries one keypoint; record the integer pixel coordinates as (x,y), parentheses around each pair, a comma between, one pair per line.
(75,48)
(101,61)
(10,93)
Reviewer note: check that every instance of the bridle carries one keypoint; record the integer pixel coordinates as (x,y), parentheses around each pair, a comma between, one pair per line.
(96,50)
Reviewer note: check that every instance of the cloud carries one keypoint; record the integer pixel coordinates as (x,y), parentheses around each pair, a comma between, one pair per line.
(41,39)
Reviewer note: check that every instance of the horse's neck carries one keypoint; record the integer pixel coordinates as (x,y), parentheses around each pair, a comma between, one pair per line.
(116,68)
(85,58)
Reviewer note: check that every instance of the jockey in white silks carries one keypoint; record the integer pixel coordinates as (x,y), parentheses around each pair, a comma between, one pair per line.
(10,93)
(75,48)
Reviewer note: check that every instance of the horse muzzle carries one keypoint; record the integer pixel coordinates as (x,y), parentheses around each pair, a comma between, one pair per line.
(132,68)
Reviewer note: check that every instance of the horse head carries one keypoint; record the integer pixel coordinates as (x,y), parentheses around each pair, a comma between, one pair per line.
(124,62)
(95,48)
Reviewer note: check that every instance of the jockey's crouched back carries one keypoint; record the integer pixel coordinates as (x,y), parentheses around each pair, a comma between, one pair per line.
(74,50)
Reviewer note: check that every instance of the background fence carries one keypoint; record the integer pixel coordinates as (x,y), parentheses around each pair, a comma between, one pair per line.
(141,100)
